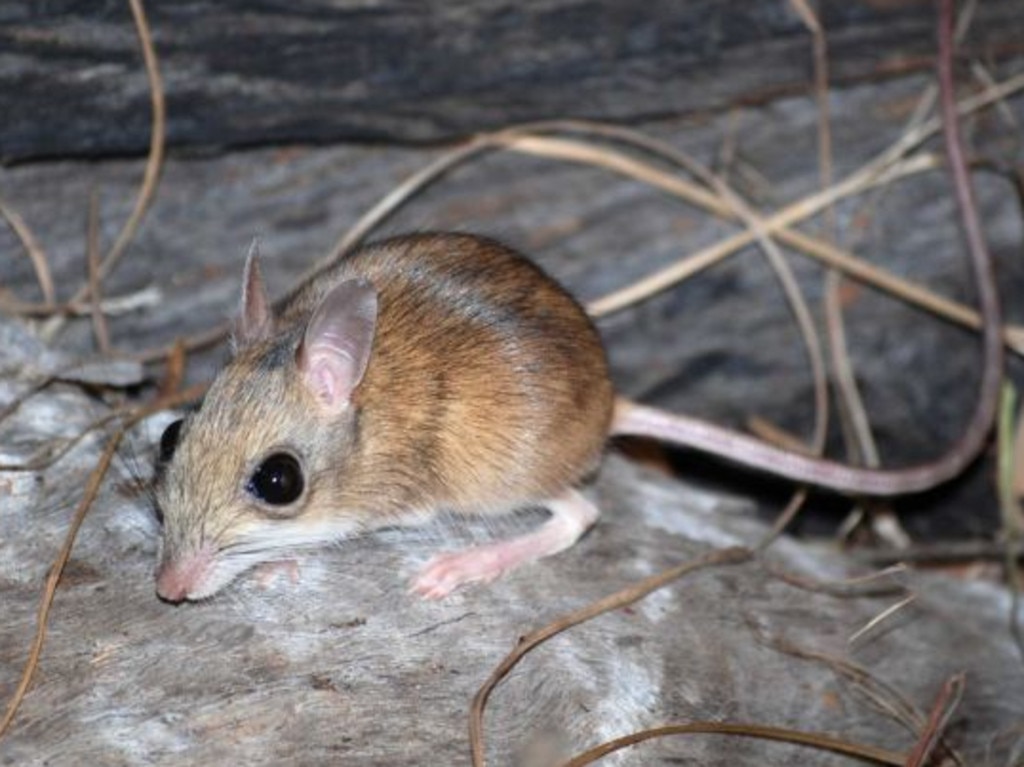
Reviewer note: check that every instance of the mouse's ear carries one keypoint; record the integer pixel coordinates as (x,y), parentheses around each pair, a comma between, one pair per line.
(336,348)
(255,320)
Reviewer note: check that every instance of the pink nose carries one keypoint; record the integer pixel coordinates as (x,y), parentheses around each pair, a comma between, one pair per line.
(180,576)
(172,584)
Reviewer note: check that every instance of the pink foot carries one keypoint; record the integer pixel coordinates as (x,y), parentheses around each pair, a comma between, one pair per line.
(268,572)
(446,572)
(571,515)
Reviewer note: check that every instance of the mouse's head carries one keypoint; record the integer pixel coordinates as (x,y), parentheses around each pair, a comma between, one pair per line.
(255,471)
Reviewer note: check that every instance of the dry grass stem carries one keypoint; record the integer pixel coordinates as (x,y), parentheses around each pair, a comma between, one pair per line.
(111,306)
(774,434)
(89,496)
(880,618)
(941,553)
(151,175)
(819,741)
(728,556)
(983,76)
(26,395)
(876,691)
(92,251)
(942,711)
(174,375)
(1010,510)
(194,342)
(34,250)
(874,584)
(853,417)
(1017,481)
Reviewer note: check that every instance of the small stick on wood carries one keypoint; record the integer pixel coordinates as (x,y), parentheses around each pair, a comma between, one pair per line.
(882,616)
(111,305)
(53,579)
(947,552)
(942,710)
(34,250)
(820,741)
(730,556)
(92,257)
(151,175)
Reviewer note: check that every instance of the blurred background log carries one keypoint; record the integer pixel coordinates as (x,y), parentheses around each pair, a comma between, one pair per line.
(244,73)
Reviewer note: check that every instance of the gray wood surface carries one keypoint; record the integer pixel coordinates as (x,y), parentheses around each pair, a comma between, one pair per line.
(240,73)
(345,667)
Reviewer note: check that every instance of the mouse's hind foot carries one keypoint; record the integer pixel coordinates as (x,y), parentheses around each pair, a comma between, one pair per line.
(571,516)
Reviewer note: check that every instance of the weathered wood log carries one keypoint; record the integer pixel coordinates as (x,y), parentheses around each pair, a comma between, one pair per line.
(344,666)
(244,73)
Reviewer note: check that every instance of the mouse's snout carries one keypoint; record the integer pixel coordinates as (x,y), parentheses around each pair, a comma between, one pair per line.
(181,579)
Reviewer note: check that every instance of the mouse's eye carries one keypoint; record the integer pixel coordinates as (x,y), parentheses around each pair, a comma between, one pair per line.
(169,441)
(278,480)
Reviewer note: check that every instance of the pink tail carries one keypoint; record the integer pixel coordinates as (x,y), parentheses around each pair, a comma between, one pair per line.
(639,420)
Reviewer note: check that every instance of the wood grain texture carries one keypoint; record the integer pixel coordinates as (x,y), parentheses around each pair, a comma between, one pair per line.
(245,73)
(345,666)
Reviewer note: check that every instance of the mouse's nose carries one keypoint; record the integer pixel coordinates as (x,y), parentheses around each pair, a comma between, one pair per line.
(171,586)
(178,576)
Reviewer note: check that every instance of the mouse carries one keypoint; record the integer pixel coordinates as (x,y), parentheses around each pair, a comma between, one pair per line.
(425,373)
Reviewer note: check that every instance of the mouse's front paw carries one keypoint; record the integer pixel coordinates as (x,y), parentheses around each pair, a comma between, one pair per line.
(267,573)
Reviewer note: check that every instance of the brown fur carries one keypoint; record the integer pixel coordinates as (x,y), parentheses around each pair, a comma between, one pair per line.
(486,390)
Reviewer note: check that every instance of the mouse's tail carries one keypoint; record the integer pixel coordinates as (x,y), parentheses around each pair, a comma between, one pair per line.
(632,418)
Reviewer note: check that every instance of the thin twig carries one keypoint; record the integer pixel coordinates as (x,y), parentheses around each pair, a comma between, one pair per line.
(628,595)
(34,250)
(942,710)
(1010,511)
(880,693)
(866,176)
(853,419)
(195,342)
(26,395)
(944,552)
(89,496)
(870,585)
(774,225)
(151,175)
(882,616)
(820,741)
(92,257)
(110,305)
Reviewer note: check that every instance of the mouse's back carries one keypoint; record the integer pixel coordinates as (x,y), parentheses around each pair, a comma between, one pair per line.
(487,383)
